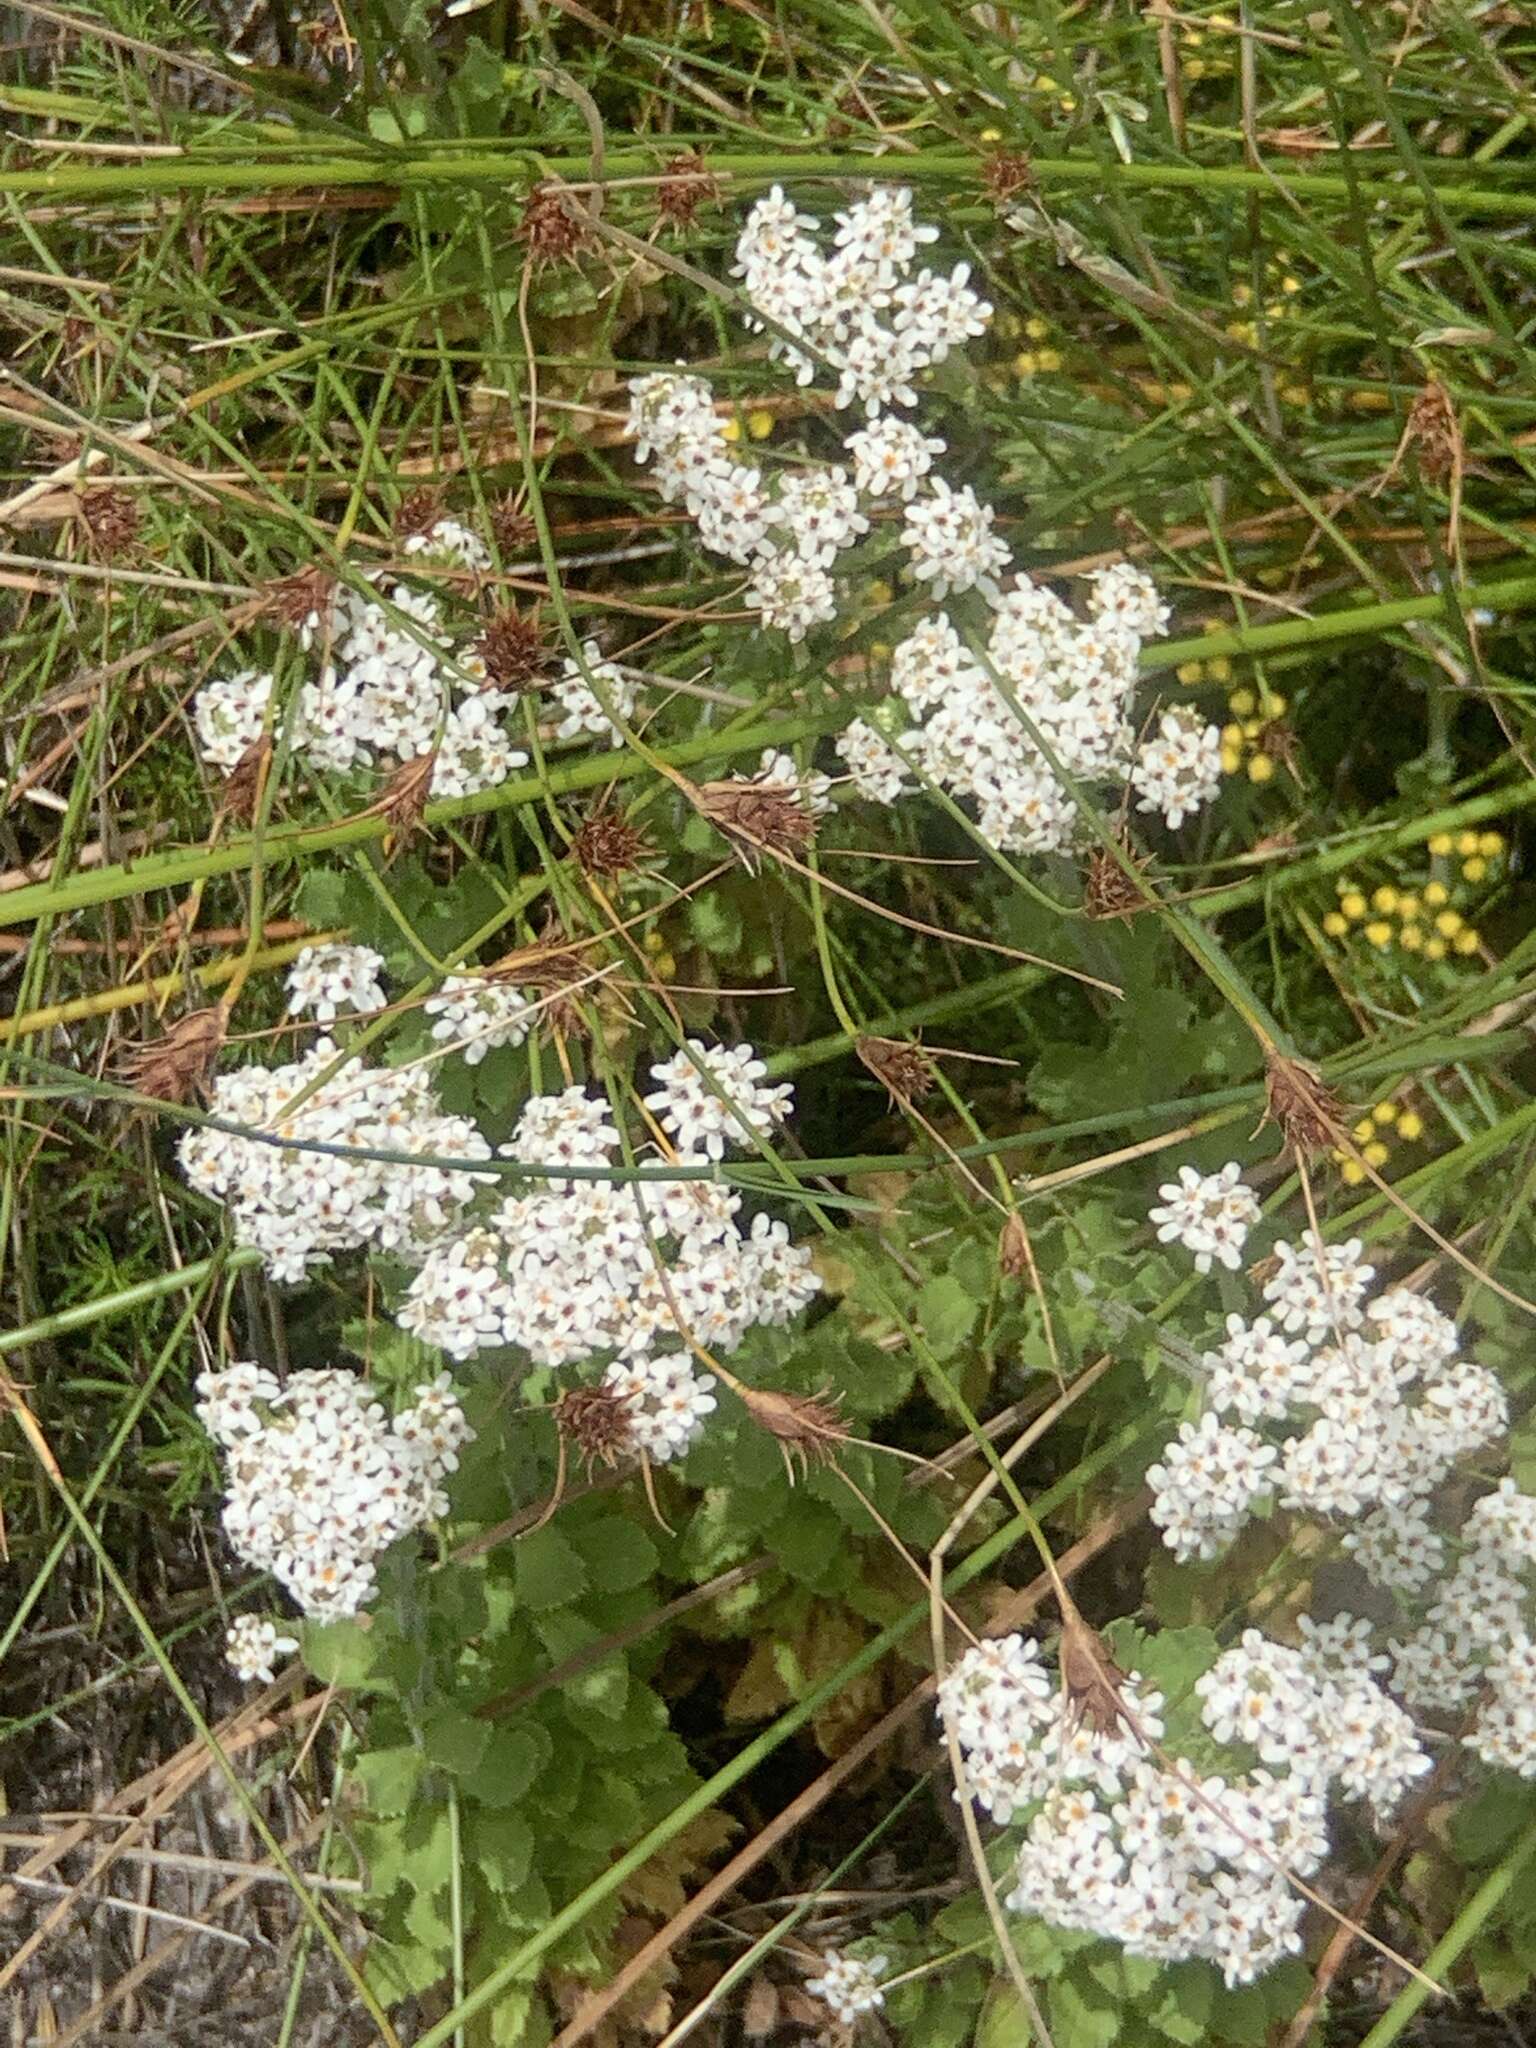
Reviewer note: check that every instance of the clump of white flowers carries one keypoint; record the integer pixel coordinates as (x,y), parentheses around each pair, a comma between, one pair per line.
(584,1269)
(1005,705)
(331,978)
(319,1481)
(391,688)
(848,1985)
(292,1176)
(252,1646)
(1209,1214)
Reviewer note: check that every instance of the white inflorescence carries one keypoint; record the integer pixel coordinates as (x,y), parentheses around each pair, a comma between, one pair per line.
(849,1985)
(1040,696)
(471,1016)
(320,1481)
(297,1206)
(1210,1214)
(327,979)
(252,1646)
(587,1269)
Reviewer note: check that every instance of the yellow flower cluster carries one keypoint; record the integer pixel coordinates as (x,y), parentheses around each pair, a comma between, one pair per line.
(1208,56)
(1371,1135)
(1422,920)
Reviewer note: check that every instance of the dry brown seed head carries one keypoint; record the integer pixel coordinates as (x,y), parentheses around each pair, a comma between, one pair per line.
(552,232)
(1005,175)
(903,1069)
(1108,891)
(112,521)
(1091,1678)
(685,186)
(512,526)
(596,1423)
(1013,1252)
(404,800)
(1433,429)
(757,819)
(176,1067)
(514,648)
(240,797)
(807,1425)
(300,600)
(607,844)
(1299,1100)
(418,512)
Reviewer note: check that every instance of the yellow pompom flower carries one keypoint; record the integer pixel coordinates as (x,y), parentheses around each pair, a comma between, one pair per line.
(1410,1125)
(1407,906)
(1435,949)
(1376,1154)
(1260,768)
(1335,924)
(1436,893)
(731,431)
(1384,899)
(1243,702)
(1490,844)
(1189,671)
(1352,1173)
(1353,904)
(1466,843)
(1384,1113)
(1379,932)
(1449,923)
(1441,843)
(760,423)
(1411,938)
(1467,940)
(1363,1131)
(1475,869)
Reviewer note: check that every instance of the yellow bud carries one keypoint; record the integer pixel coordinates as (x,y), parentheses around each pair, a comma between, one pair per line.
(731,431)
(1189,671)
(1274,705)
(1241,294)
(1232,736)
(1449,923)
(1290,286)
(1295,394)
(1466,844)
(1411,938)
(1385,1113)
(1025,363)
(1436,893)
(1475,869)
(1376,1154)
(1352,903)
(1441,843)
(1435,949)
(1212,626)
(878,594)
(1241,701)
(1379,932)
(1048,359)
(1260,768)
(880,650)
(666,966)
(1468,941)
(1231,760)
(1407,906)
(1352,1173)
(1363,1130)
(1410,1125)
(1252,727)
(1036,328)
(1490,844)
(1220,668)
(1384,899)
(1369,401)
(1335,925)
(760,423)
(991,134)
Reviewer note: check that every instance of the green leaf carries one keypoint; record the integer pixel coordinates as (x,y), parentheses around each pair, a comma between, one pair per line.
(946,1312)
(501,1848)
(514,1757)
(321,901)
(456,1741)
(617,1553)
(391,1778)
(550,1572)
(1184,2010)
(1076,2019)
(341,1653)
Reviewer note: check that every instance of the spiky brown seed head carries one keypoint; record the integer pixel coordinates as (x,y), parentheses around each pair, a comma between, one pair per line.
(1005,175)
(596,1424)
(1090,1677)
(403,800)
(240,797)
(514,529)
(549,229)
(808,1426)
(607,844)
(757,819)
(903,1069)
(176,1067)
(302,601)
(556,963)
(1297,1099)
(112,521)
(1108,891)
(418,512)
(1434,431)
(686,185)
(514,648)
(1013,1251)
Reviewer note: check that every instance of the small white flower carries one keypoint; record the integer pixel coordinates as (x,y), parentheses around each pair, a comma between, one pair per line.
(1209,1214)
(253,1646)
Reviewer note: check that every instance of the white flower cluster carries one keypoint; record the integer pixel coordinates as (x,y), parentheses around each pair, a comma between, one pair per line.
(1210,1214)
(849,1985)
(297,1206)
(319,1481)
(1145,1851)
(449,541)
(1342,1405)
(1051,692)
(391,689)
(472,1016)
(327,979)
(586,1268)
(252,1646)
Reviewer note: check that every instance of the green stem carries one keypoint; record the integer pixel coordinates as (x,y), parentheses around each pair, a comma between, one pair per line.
(65,1320)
